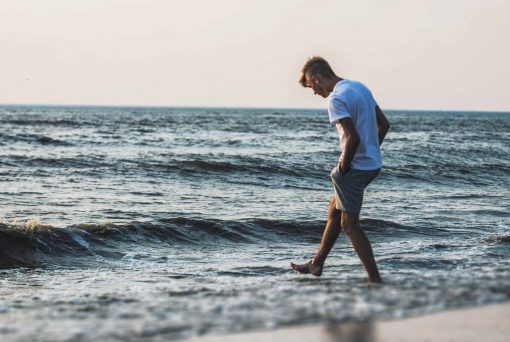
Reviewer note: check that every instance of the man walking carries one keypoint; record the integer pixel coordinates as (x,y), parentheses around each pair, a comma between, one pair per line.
(362,127)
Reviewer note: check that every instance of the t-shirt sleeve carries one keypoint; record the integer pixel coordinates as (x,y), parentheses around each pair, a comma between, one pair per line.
(372,100)
(337,110)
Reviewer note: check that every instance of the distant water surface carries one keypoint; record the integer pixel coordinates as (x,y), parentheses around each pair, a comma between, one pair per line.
(152,224)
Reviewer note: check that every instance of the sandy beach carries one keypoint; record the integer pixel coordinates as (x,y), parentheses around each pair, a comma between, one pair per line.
(487,323)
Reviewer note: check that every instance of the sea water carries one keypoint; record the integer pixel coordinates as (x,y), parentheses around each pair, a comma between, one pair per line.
(132,223)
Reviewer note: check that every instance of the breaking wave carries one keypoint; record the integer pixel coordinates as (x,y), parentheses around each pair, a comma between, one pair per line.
(34,244)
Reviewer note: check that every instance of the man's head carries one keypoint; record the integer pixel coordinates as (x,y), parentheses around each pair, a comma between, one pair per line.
(318,75)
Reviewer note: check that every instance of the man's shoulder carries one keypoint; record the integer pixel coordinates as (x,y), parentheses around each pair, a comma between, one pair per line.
(350,90)
(345,89)
(352,84)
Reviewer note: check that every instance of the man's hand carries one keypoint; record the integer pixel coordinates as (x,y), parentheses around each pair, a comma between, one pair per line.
(343,167)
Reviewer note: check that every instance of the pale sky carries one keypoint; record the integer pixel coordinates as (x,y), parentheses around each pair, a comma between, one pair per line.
(430,54)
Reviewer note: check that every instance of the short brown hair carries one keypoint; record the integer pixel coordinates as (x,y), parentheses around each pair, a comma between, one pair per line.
(315,66)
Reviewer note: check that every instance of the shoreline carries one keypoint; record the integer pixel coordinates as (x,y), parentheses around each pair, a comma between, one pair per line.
(484,323)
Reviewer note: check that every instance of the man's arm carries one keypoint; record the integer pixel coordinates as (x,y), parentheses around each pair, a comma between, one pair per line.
(382,123)
(351,145)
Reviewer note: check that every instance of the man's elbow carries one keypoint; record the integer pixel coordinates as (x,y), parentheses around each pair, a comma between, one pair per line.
(354,140)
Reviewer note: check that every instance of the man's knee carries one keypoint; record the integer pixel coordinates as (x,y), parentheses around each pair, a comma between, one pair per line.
(332,203)
(333,212)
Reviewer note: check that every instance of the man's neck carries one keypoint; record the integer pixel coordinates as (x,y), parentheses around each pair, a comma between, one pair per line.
(333,83)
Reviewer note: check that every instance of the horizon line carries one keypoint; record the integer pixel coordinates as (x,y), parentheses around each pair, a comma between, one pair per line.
(234,107)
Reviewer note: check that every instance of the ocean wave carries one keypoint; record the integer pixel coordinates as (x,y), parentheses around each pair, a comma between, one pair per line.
(33,138)
(34,243)
(111,164)
(482,174)
(41,122)
(243,165)
(186,167)
(75,162)
(502,239)
(44,140)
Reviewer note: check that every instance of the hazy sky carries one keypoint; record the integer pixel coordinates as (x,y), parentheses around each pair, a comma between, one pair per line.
(430,54)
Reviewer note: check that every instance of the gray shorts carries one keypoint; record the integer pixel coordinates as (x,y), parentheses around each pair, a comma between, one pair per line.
(349,188)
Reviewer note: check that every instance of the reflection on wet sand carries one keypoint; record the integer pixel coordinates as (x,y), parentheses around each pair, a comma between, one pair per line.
(352,332)
(348,332)
(488,323)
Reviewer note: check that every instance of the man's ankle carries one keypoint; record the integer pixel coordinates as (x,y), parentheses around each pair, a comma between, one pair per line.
(317,261)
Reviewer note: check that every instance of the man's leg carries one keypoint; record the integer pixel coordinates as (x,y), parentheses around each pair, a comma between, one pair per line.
(331,232)
(329,237)
(361,244)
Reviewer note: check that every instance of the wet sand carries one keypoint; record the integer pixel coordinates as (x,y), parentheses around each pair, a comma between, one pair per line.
(487,323)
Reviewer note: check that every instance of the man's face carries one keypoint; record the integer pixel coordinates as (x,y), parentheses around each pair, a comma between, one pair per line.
(316,82)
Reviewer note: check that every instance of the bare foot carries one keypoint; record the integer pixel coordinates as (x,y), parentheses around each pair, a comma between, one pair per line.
(308,268)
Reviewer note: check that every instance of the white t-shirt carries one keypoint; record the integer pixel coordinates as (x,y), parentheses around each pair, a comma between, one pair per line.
(352,99)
